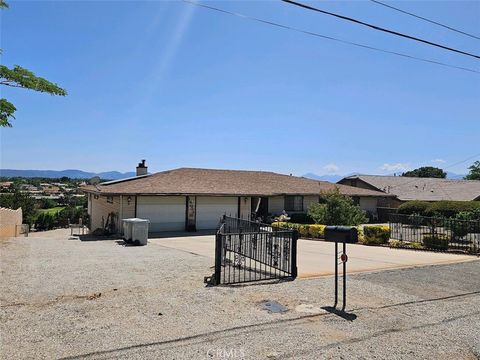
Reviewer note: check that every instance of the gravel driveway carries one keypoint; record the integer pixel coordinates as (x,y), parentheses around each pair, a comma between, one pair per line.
(72,299)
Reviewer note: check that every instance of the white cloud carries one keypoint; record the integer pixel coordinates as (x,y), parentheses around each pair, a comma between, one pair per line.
(395,167)
(331,168)
(438,161)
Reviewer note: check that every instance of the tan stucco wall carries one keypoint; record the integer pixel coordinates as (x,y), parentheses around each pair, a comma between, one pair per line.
(128,207)
(245,207)
(99,209)
(9,220)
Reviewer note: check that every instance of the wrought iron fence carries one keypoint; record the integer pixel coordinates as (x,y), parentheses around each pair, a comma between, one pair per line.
(237,225)
(433,233)
(247,251)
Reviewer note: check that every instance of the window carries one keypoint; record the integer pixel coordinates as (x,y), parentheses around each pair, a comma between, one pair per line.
(294,203)
(110,199)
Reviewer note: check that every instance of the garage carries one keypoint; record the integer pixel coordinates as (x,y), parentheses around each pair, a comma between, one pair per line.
(210,209)
(166,213)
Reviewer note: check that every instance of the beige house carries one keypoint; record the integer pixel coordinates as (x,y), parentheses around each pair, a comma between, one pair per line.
(195,199)
(10,222)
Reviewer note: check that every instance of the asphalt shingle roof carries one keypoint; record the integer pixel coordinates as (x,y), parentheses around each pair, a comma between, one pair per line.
(189,181)
(427,189)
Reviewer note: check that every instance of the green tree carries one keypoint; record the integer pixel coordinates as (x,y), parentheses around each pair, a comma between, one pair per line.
(19,77)
(22,200)
(426,172)
(337,209)
(474,173)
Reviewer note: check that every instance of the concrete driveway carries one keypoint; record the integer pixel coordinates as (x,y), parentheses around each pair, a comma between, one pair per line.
(316,258)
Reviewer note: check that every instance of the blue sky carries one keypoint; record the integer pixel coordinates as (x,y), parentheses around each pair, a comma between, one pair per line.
(180,85)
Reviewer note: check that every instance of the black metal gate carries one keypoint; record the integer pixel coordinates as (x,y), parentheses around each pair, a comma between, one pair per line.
(248,251)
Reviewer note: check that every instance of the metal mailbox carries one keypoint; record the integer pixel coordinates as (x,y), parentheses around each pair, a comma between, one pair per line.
(347,234)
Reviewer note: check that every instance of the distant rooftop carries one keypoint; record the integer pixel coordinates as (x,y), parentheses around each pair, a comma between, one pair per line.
(427,189)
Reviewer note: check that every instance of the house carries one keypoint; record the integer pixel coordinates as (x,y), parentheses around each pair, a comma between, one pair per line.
(414,188)
(195,199)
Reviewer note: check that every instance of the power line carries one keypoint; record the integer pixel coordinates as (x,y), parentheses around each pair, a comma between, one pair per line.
(375,27)
(425,19)
(331,38)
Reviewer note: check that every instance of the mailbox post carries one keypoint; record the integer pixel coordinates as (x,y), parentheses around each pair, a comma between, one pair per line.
(343,234)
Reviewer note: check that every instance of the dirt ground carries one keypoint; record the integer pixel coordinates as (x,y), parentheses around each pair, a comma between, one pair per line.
(63,298)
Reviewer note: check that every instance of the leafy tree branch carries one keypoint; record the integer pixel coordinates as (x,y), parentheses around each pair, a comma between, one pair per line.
(19,77)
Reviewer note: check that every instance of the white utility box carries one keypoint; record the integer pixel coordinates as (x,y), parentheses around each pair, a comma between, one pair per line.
(127,229)
(140,231)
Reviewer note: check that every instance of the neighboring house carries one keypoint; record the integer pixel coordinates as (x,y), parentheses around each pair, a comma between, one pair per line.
(10,222)
(195,199)
(412,188)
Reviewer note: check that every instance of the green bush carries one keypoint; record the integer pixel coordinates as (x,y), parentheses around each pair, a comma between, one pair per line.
(45,221)
(413,207)
(448,209)
(435,241)
(415,245)
(337,209)
(465,222)
(396,243)
(316,231)
(444,208)
(375,235)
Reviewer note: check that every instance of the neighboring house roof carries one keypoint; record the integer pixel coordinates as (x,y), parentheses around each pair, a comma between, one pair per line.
(427,189)
(188,181)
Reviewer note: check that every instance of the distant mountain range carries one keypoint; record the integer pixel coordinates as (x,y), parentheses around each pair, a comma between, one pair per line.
(72,173)
(116,175)
(336,178)
(330,178)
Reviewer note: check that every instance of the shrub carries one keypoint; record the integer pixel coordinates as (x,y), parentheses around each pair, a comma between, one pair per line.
(337,209)
(45,221)
(376,235)
(396,243)
(305,230)
(361,236)
(317,231)
(415,245)
(448,209)
(413,207)
(444,208)
(435,241)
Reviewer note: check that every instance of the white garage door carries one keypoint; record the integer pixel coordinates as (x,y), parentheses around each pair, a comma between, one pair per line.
(166,213)
(210,209)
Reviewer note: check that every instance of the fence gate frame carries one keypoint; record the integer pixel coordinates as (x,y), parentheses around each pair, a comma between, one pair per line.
(248,251)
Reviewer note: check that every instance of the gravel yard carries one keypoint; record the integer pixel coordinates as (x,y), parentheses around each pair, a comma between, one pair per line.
(66,298)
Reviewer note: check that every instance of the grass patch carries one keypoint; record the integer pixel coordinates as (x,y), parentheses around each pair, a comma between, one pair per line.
(51,211)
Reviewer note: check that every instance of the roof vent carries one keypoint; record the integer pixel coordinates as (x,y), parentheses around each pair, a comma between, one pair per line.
(141,168)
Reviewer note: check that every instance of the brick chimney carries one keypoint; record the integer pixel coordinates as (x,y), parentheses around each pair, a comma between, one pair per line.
(141,168)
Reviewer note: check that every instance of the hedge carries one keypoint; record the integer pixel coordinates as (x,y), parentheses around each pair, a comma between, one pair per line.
(375,235)
(413,207)
(305,230)
(449,208)
(444,208)
(368,234)
(435,242)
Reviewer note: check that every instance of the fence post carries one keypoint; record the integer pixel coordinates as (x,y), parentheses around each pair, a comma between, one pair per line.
(218,258)
(293,262)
